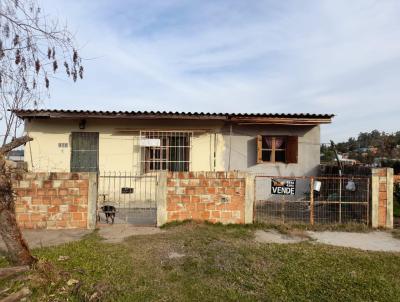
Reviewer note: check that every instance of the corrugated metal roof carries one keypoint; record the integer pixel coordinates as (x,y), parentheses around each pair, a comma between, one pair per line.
(92,113)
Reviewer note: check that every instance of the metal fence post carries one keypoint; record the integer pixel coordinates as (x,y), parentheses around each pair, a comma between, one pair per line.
(312,200)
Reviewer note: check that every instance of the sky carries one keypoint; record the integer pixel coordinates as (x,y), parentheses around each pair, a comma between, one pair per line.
(310,56)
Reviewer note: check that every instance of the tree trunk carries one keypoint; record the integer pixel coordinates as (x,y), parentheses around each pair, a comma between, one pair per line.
(18,250)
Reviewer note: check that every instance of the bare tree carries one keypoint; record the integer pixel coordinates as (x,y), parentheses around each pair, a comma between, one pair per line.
(33,47)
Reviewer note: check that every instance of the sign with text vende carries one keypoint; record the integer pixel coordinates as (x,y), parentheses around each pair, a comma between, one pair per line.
(283,186)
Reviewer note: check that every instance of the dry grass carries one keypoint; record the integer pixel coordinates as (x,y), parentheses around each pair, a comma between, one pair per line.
(192,262)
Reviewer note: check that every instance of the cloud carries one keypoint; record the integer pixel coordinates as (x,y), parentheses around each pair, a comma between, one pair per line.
(238,56)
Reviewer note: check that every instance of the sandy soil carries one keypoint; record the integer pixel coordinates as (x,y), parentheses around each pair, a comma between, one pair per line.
(373,241)
(118,232)
(274,236)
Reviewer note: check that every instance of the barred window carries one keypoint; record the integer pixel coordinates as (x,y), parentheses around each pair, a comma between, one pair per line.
(165,150)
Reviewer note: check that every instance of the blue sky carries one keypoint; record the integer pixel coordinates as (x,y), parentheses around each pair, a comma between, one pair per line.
(336,56)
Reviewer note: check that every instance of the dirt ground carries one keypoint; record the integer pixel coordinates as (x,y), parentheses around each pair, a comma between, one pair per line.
(114,233)
(111,233)
(274,236)
(372,241)
(43,238)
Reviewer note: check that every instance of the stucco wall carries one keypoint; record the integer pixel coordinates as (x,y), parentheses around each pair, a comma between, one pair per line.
(118,150)
(243,150)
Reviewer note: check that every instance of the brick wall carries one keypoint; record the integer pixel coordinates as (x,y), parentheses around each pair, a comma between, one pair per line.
(206,196)
(382,197)
(51,200)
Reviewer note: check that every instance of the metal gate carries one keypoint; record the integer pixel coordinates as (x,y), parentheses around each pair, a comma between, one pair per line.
(134,197)
(311,200)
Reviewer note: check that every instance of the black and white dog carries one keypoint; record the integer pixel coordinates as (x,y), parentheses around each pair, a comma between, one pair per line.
(109,211)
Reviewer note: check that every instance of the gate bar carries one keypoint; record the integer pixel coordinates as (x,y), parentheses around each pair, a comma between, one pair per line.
(312,200)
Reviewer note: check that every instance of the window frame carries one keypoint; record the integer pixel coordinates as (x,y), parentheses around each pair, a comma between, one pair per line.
(167,146)
(291,149)
(152,159)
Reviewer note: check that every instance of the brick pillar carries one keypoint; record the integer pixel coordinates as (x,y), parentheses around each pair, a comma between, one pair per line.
(92,201)
(382,198)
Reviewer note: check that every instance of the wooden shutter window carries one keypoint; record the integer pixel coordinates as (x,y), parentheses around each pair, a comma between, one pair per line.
(292,149)
(259,149)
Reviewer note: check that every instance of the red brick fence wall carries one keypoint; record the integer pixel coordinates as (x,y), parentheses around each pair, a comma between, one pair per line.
(206,196)
(64,200)
(53,200)
(68,200)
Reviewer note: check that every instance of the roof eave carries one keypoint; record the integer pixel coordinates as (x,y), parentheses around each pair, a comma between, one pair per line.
(284,119)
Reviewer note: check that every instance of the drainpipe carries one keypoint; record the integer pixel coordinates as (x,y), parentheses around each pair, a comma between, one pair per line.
(230,146)
(215,151)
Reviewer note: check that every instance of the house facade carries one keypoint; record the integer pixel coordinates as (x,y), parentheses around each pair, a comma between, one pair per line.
(229,168)
(143,142)
(130,151)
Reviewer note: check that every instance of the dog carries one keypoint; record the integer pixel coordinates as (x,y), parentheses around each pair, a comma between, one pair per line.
(109,211)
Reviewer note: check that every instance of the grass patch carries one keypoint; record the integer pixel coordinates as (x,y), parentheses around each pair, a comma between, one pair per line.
(214,263)
(286,228)
(3,260)
(97,266)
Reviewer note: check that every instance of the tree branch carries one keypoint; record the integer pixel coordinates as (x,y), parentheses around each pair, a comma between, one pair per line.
(9,271)
(14,144)
(17,296)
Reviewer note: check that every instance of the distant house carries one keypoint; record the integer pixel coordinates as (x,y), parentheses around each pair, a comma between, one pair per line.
(16,155)
(364,151)
(343,158)
(140,142)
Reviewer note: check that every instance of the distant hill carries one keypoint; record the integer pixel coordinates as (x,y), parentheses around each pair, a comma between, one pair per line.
(368,148)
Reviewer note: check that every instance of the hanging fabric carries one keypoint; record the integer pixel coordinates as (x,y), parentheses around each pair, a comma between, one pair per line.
(279,142)
(268,141)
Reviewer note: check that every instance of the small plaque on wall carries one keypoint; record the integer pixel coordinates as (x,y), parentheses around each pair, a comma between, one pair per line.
(126,190)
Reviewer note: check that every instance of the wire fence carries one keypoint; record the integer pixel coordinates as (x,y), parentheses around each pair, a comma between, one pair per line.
(312,200)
